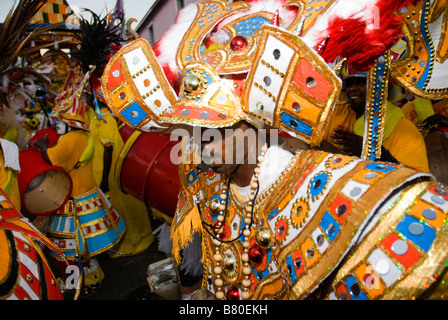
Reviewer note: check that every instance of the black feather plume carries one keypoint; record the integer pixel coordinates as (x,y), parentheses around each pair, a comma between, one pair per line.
(97,42)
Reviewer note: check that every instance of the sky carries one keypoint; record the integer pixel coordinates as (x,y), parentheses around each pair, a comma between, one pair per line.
(132,8)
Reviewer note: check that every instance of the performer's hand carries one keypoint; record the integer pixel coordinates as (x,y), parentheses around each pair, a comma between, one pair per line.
(41,144)
(348,142)
(435,119)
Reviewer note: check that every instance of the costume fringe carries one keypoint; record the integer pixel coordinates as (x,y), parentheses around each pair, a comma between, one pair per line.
(182,234)
(192,261)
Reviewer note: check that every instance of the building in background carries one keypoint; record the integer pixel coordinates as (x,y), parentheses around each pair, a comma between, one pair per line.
(159,18)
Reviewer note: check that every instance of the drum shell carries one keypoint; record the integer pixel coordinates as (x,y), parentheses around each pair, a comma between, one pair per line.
(58,184)
(146,171)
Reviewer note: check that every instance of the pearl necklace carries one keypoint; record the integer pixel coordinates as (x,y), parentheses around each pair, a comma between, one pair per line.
(247,270)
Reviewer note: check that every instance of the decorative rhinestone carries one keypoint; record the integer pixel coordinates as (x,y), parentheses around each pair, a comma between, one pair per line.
(369,280)
(298,262)
(416,229)
(399,247)
(281,230)
(310,82)
(260,105)
(370,175)
(222,99)
(296,106)
(320,240)
(342,295)
(276,54)
(438,199)
(135,60)
(310,253)
(122,95)
(330,229)
(116,73)
(267,81)
(440,191)
(185,112)
(204,115)
(429,214)
(337,160)
(293,123)
(341,210)
(134,114)
(355,192)
(355,290)
(382,267)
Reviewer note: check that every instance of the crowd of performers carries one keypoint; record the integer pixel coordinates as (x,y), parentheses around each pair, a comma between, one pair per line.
(348,202)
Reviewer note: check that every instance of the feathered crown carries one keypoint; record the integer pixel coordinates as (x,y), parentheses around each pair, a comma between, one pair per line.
(266,62)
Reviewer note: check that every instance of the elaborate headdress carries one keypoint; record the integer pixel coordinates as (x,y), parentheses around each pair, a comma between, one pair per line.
(70,107)
(266,62)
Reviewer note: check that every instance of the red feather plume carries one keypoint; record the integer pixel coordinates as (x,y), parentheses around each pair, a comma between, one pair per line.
(360,43)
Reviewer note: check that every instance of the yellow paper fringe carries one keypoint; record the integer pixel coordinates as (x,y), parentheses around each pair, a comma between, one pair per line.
(182,233)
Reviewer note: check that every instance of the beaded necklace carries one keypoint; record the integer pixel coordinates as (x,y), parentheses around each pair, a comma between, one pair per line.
(254,188)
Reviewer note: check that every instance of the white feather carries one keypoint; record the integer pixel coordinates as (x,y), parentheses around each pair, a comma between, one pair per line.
(163,236)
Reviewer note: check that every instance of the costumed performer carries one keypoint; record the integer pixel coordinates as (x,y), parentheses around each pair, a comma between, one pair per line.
(88,224)
(402,141)
(277,225)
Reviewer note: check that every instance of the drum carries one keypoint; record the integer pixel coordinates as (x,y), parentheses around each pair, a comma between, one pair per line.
(437,150)
(144,169)
(44,188)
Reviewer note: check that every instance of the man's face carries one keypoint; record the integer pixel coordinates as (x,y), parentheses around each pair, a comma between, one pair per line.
(356,88)
(225,149)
